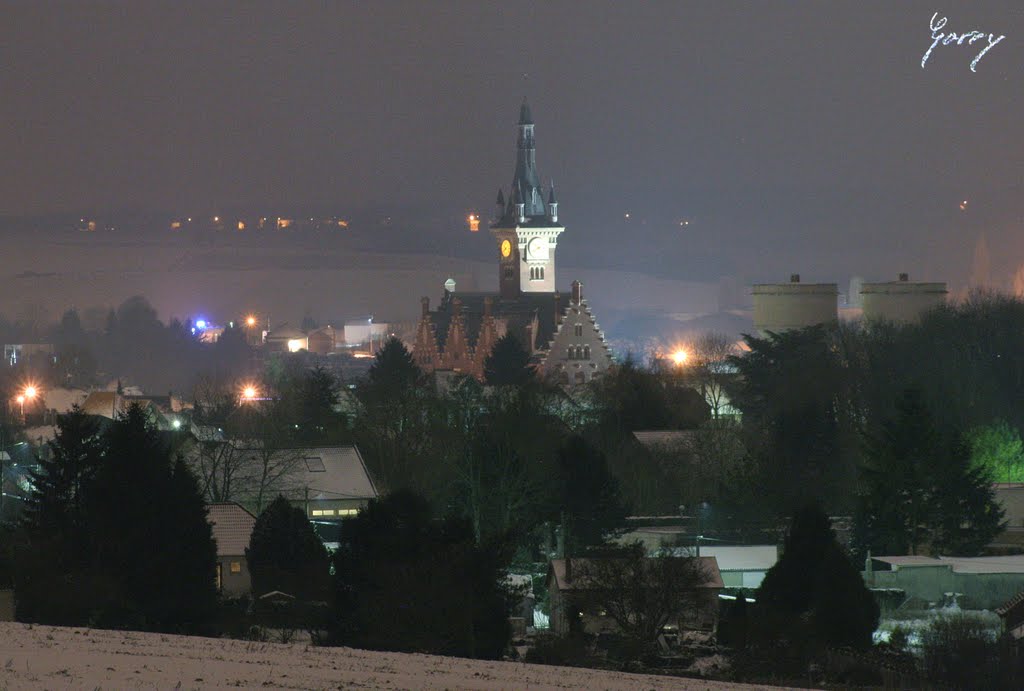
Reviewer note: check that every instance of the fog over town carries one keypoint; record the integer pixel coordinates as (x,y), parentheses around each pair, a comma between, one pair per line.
(453,344)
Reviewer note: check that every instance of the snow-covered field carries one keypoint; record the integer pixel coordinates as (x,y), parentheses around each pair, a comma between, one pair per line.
(45,657)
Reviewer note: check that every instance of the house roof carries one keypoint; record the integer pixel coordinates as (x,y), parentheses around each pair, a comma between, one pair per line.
(557,568)
(1011,604)
(1005,564)
(743,557)
(665,437)
(327,472)
(285,333)
(517,312)
(100,403)
(232,527)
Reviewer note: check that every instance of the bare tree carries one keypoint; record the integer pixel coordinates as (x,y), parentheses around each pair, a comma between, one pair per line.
(223,475)
(709,369)
(262,454)
(641,594)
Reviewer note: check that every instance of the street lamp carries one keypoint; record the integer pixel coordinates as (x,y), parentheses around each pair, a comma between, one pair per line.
(249,393)
(28,394)
(679,357)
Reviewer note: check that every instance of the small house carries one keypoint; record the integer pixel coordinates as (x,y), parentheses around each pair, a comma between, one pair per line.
(232,528)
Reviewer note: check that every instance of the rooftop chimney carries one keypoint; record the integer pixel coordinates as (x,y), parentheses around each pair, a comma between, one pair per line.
(794,278)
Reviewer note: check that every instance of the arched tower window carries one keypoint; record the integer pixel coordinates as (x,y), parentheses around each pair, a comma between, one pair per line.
(586,352)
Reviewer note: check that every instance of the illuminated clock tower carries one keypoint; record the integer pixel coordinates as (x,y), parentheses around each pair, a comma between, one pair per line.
(526,228)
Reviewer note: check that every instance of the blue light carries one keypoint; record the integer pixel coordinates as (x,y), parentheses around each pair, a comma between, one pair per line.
(200,323)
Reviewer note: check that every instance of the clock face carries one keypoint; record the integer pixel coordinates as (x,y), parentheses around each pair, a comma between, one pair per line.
(506,248)
(538,248)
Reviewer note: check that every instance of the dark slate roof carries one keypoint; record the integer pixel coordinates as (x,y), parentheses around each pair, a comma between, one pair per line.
(525,187)
(518,311)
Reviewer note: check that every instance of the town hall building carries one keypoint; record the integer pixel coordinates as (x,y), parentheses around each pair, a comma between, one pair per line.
(559,330)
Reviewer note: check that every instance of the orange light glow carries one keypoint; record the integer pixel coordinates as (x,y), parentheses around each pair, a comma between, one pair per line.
(249,392)
(250,320)
(679,357)
(31,392)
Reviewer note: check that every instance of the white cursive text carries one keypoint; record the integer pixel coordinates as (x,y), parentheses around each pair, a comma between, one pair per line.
(952,37)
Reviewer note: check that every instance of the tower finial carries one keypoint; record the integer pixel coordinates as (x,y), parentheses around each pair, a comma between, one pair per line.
(525,118)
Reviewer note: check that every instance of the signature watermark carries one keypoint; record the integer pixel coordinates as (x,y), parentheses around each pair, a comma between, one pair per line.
(949,38)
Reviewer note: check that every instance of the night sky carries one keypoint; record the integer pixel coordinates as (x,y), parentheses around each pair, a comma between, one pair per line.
(793,136)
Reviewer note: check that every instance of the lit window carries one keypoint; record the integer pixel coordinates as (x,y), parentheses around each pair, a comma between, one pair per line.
(323,512)
(347,512)
(236,567)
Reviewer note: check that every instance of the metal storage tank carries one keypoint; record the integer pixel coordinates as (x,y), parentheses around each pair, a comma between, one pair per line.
(794,305)
(901,301)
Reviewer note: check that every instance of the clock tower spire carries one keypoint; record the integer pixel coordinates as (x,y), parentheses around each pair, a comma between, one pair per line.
(527,229)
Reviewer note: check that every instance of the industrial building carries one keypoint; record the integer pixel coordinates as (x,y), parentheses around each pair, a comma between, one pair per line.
(794,305)
(901,301)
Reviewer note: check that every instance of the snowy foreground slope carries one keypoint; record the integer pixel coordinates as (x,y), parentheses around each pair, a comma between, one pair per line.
(44,657)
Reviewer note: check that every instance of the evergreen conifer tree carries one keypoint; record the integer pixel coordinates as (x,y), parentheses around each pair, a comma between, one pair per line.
(285,554)
(508,363)
(921,492)
(52,551)
(153,548)
(394,586)
(813,596)
(589,497)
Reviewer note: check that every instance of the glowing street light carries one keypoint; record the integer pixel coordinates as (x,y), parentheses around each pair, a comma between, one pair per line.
(249,393)
(28,394)
(679,357)
(250,321)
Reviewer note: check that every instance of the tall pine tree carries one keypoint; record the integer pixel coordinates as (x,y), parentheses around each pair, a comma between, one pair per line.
(154,550)
(921,493)
(53,555)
